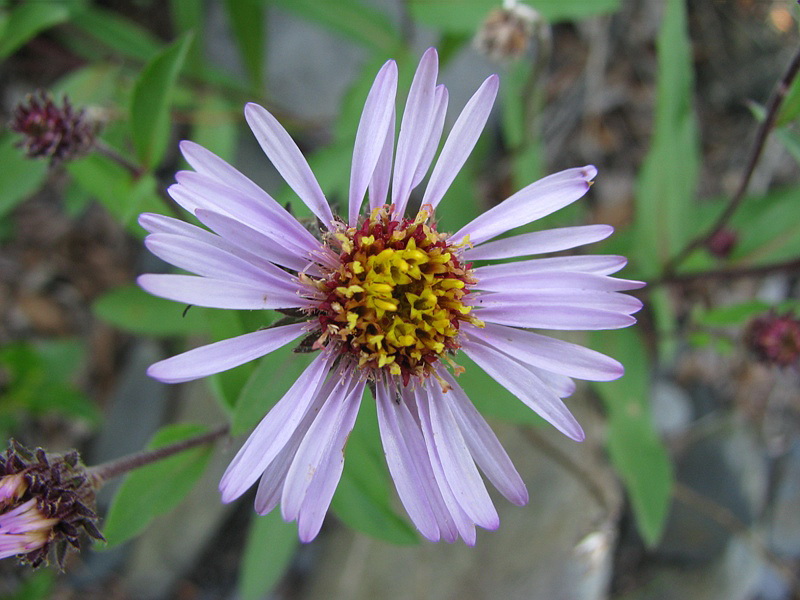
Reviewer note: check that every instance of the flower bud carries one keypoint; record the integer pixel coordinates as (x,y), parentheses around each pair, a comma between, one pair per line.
(775,339)
(51,131)
(506,33)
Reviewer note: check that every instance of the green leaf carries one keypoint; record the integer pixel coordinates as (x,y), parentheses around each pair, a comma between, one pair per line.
(131,309)
(633,444)
(117,33)
(666,184)
(247,19)
(736,314)
(26,21)
(19,177)
(363,498)
(36,586)
(353,19)
(216,125)
(157,488)
(269,381)
(150,102)
(271,544)
(113,186)
(467,16)
(768,228)
(190,16)
(790,140)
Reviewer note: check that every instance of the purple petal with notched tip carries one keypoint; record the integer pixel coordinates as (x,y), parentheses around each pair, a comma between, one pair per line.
(461,141)
(284,154)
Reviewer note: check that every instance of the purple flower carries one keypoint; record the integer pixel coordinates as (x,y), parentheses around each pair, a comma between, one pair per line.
(387,300)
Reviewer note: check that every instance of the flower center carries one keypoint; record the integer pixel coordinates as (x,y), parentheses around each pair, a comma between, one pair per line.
(397,297)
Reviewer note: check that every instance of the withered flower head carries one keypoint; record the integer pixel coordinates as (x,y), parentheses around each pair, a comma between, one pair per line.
(507,31)
(722,242)
(775,339)
(52,131)
(46,502)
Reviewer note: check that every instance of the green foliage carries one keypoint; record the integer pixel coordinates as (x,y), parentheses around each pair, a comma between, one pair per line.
(768,228)
(115,33)
(666,185)
(40,380)
(27,20)
(131,309)
(150,124)
(157,488)
(247,24)
(466,16)
(633,444)
(19,177)
(271,544)
(36,586)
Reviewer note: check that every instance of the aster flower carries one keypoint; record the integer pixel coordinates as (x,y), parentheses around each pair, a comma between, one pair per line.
(388,301)
(46,503)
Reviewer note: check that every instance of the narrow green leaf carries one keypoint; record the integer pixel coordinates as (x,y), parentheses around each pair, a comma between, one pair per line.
(735,314)
(157,488)
(36,586)
(466,16)
(768,228)
(271,544)
(216,125)
(150,102)
(131,309)
(247,19)
(190,16)
(363,498)
(121,35)
(19,176)
(633,444)
(353,19)
(666,185)
(26,21)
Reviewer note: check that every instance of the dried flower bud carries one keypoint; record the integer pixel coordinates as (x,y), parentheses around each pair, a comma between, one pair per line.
(775,339)
(722,242)
(57,132)
(46,502)
(506,33)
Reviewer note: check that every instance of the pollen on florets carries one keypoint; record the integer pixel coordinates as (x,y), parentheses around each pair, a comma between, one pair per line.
(396,300)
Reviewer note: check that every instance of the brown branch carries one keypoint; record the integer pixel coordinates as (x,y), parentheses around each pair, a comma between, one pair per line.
(788,266)
(764,129)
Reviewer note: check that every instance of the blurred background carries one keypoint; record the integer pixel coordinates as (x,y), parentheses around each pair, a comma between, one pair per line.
(688,484)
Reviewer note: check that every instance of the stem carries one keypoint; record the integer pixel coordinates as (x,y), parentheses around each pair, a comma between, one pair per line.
(135,170)
(764,129)
(788,266)
(101,473)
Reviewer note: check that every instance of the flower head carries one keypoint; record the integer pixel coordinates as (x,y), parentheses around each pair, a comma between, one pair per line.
(507,31)
(775,339)
(52,131)
(46,502)
(388,300)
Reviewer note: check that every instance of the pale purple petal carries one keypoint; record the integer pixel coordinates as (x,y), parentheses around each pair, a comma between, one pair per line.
(539,242)
(414,484)
(274,431)
(565,318)
(382,175)
(434,136)
(219,293)
(461,140)
(486,449)
(561,385)
(223,355)
(416,123)
(209,164)
(256,242)
(457,464)
(326,477)
(526,386)
(530,203)
(376,119)
(601,264)
(548,353)
(153,223)
(209,260)
(284,154)
(555,280)
(463,523)
(610,301)
(273,478)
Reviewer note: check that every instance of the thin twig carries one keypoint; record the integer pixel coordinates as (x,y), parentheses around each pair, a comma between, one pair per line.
(105,471)
(788,266)
(764,129)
